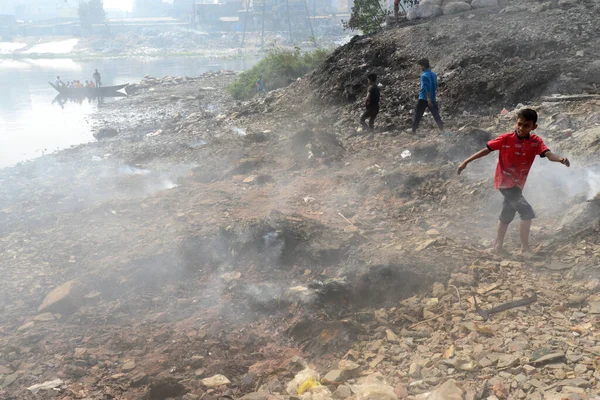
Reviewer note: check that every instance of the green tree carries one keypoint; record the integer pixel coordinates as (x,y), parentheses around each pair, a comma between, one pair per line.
(279,68)
(91,12)
(367,16)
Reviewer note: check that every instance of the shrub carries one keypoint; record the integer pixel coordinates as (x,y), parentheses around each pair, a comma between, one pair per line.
(279,68)
(367,16)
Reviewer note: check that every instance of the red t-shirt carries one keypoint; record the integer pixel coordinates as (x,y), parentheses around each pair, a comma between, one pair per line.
(515,158)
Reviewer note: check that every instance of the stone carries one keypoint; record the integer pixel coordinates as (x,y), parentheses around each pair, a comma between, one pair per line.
(196,362)
(529,370)
(343,392)
(391,336)
(548,357)
(165,388)
(128,366)
(333,377)
(401,391)
(521,378)
(560,374)
(105,132)
(256,396)
(567,3)
(190,396)
(45,317)
(414,371)
(10,379)
(215,381)
(485,362)
(462,279)
(438,289)
(448,391)
(139,379)
(348,365)
(427,11)
(507,361)
(580,369)
(426,243)
(594,307)
(484,3)
(456,8)
(65,299)
(5,371)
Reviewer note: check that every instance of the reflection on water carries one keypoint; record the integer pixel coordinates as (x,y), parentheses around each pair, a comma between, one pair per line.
(31,123)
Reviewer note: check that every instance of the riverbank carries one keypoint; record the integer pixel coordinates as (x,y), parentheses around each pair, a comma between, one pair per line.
(149,43)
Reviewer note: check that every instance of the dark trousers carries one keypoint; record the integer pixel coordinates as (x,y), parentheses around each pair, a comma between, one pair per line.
(371,113)
(422,105)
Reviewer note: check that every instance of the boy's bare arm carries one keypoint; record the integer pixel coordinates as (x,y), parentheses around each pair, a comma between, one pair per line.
(556,158)
(479,154)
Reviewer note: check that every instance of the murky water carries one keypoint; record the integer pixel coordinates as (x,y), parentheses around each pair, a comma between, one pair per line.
(31,124)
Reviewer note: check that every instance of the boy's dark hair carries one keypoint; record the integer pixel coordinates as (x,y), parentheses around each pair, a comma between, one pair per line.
(372,77)
(424,63)
(528,115)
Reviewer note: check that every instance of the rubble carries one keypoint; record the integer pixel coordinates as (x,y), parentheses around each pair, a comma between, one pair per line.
(341,269)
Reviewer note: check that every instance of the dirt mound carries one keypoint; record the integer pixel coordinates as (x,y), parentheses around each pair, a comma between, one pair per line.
(485,68)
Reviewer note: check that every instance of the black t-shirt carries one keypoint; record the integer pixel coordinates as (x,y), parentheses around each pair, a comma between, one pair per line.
(374,97)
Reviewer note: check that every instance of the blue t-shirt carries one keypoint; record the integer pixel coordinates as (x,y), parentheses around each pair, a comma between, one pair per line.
(428,84)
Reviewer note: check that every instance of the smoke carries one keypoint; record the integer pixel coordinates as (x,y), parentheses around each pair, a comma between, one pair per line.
(239,131)
(593,181)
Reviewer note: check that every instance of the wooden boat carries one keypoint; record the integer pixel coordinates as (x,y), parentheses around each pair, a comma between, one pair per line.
(102,91)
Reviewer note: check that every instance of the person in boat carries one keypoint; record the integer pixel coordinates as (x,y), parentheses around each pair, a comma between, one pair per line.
(97,78)
(58,82)
(92,85)
(78,84)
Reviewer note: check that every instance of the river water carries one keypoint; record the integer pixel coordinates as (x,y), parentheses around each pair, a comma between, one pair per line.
(31,124)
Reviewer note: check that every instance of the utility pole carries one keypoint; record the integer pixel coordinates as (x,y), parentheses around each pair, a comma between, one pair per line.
(262,31)
(289,18)
(312,32)
(246,16)
(193,14)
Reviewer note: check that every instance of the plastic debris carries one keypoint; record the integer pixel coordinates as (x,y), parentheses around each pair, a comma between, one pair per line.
(48,385)
(158,132)
(306,375)
(405,154)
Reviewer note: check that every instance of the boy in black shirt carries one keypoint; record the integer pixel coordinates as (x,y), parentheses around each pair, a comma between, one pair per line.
(371,103)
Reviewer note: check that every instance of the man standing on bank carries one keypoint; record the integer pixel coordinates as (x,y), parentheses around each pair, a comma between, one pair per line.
(97,78)
(427,99)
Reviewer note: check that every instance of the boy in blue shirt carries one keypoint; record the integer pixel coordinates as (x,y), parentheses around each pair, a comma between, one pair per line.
(427,99)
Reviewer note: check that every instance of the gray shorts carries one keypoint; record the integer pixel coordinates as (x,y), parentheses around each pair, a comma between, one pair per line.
(514,202)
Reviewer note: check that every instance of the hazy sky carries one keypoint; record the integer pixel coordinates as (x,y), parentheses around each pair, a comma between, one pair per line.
(126,5)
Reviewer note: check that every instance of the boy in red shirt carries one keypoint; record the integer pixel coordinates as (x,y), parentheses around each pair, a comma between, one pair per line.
(517,152)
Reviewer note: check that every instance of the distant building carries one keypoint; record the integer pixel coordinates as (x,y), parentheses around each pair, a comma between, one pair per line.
(37,10)
(150,8)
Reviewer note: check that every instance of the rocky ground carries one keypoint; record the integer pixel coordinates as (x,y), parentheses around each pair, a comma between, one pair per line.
(268,250)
